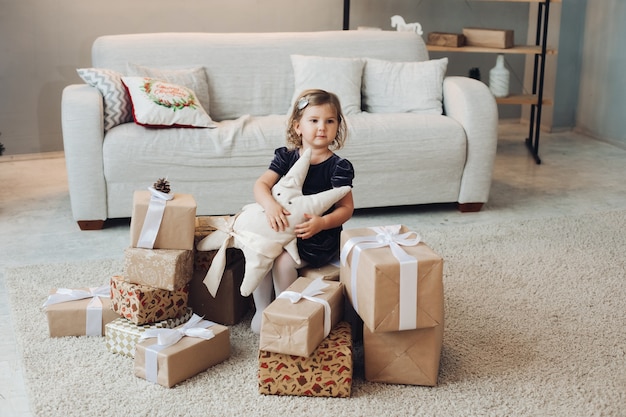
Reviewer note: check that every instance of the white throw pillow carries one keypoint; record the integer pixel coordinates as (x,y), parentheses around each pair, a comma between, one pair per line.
(117,106)
(192,78)
(404,87)
(160,104)
(341,76)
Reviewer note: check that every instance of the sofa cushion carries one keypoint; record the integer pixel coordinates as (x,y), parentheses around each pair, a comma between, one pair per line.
(160,104)
(192,78)
(400,87)
(117,105)
(341,76)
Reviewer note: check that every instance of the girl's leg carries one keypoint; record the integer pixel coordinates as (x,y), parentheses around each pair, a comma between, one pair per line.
(262,297)
(284,271)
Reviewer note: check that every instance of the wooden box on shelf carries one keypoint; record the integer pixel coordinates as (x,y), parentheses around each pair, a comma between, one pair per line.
(490,38)
(454,40)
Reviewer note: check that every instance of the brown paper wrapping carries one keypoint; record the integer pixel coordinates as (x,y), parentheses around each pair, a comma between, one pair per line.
(329,272)
(167,269)
(326,373)
(143,304)
(189,357)
(406,357)
(177,226)
(378,284)
(297,329)
(70,318)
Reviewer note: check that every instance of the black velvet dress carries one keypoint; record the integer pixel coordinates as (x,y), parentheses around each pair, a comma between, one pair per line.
(333,172)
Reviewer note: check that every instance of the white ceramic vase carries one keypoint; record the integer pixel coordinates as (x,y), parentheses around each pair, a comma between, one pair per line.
(499,78)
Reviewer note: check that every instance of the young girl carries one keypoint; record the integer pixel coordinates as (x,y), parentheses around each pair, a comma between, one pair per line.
(316,122)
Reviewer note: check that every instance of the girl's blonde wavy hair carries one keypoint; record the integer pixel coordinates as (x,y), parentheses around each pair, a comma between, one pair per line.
(315,97)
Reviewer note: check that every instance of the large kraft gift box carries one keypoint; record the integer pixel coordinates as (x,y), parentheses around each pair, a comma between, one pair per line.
(143,304)
(167,269)
(404,357)
(297,328)
(381,300)
(228,306)
(182,360)
(70,318)
(326,373)
(177,225)
(122,335)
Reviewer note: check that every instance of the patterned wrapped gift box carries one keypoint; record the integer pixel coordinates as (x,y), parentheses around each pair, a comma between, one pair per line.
(326,373)
(121,335)
(71,318)
(390,295)
(406,357)
(188,357)
(176,229)
(143,304)
(297,328)
(167,269)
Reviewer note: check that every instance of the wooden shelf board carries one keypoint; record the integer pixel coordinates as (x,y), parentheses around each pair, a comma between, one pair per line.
(517,49)
(522,99)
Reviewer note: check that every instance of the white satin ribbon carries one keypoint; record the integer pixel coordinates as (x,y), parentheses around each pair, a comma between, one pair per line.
(154,216)
(93,322)
(316,287)
(388,236)
(195,327)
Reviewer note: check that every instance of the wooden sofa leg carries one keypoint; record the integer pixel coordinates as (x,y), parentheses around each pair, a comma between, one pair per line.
(469,207)
(90,224)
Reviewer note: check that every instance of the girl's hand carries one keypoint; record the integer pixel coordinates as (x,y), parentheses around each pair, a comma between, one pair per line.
(312,226)
(277,216)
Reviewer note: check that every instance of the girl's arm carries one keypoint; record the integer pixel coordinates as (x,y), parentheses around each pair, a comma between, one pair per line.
(315,224)
(275,213)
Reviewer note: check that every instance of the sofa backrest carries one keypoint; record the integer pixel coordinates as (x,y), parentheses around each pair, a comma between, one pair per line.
(250,73)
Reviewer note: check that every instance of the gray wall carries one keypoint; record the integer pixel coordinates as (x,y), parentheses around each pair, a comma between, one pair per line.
(42,43)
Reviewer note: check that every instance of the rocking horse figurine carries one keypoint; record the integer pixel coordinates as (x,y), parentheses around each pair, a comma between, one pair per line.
(401,26)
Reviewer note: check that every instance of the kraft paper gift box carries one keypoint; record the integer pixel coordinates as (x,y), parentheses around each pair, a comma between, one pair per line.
(326,373)
(177,225)
(329,272)
(404,357)
(122,335)
(143,304)
(186,351)
(167,269)
(297,321)
(79,312)
(387,293)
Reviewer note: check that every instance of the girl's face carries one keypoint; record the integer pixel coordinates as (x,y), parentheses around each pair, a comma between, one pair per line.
(318,126)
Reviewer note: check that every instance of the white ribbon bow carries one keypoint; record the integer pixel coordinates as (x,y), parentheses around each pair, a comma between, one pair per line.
(195,327)
(388,236)
(154,216)
(93,323)
(316,287)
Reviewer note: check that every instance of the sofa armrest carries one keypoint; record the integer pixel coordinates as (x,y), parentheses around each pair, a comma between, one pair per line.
(83,134)
(469,102)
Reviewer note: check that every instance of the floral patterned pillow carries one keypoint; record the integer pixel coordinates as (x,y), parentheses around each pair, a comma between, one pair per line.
(157,103)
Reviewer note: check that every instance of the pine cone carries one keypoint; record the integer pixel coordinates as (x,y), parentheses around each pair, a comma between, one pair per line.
(162,185)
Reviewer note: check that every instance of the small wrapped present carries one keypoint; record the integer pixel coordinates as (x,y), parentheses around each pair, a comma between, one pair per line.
(158,223)
(297,321)
(228,306)
(79,312)
(143,304)
(326,373)
(121,335)
(329,272)
(404,357)
(394,281)
(167,269)
(169,356)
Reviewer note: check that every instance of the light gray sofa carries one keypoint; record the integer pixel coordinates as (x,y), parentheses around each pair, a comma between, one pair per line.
(400,158)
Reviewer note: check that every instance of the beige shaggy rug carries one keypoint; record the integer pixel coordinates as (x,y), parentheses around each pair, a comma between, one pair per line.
(535,326)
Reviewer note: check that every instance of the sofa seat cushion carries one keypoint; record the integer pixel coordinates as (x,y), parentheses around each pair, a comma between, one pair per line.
(397,154)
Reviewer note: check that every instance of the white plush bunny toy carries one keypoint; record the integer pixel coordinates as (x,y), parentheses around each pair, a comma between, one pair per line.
(249,229)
